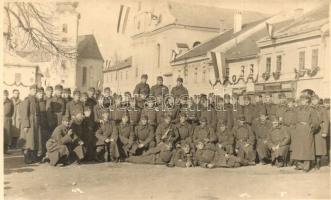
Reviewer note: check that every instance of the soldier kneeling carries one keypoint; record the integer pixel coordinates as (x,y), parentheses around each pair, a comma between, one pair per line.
(107,135)
(64,142)
(278,142)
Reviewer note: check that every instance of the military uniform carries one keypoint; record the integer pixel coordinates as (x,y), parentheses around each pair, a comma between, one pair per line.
(200,134)
(16,125)
(270,108)
(279,136)
(281,109)
(134,116)
(258,108)
(245,141)
(143,134)
(55,111)
(185,131)
(192,114)
(237,110)
(61,144)
(73,108)
(182,159)
(225,140)
(249,113)
(224,115)
(44,133)
(179,91)
(141,89)
(157,156)
(159,90)
(117,113)
(320,141)
(205,156)
(8,108)
(166,133)
(152,116)
(108,150)
(262,130)
(125,141)
(210,114)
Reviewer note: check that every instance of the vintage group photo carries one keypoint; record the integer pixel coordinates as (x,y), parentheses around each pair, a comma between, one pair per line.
(166,99)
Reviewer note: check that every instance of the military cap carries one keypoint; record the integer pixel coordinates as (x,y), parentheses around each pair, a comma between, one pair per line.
(203,119)
(145,76)
(127,94)
(40,90)
(91,89)
(226,96)
(5,92)
(33,87)
(327,100)
(159,78)
(67,90)
(203,96)
(106,89)
(179,79)
(315,96)
(49,88)
(76,92)
(58,87)
(281,96)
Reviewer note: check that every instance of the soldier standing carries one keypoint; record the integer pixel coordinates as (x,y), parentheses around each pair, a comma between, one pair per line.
(75,106)
(141,91)
(159,89)
(237,110)
(8,108)
(44,133)
(179,90)
(269,105)
(249,111)
(281,108)
(259,106)
(55,108)
(16,126)
(48,93)
(30,114)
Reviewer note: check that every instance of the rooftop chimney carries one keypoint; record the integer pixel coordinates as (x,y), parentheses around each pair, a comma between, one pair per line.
(237,21)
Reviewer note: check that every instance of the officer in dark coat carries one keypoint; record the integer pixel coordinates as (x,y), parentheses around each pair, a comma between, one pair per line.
(8,108)
(141,91)
(179,90)
(30,114)
(44,133)
(75,106)
(248,110)
(237,110)
(144,137)
(55,108)
(159,89)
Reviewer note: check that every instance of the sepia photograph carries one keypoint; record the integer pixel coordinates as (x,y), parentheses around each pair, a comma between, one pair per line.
(165,99)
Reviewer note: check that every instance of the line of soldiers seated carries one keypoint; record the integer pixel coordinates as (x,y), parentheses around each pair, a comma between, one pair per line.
(201,131)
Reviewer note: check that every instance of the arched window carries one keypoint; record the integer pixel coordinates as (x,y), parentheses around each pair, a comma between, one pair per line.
(196,43)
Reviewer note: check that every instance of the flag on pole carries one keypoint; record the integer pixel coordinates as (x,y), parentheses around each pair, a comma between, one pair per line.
(218,62)
(123,19)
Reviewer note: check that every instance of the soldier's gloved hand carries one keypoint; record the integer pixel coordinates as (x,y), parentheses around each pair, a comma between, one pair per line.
(70,132)
(220,146)
(107,140)
(141,145)
(80,142)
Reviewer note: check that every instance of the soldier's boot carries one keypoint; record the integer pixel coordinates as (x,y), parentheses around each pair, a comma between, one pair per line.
(27,156)
(306,165)
(318,162)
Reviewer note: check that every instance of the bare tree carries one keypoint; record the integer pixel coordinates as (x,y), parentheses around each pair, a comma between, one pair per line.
(29,26)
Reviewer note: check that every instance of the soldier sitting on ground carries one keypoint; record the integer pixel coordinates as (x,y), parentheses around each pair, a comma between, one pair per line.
(204,156)
(278,142)
(183,157)
(159,155)
(64,144)
(107,135)
(125,134)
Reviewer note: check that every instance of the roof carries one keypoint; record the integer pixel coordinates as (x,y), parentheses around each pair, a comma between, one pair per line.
(121,65)
(11,58)
(208,16)
(311,21)
(207,46)
(248,47)
(88,47)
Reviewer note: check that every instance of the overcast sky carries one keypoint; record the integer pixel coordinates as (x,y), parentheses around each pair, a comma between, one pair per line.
(99,17)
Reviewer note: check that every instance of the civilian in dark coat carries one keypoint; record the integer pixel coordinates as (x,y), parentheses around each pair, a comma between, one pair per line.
(8,109)
(16,126)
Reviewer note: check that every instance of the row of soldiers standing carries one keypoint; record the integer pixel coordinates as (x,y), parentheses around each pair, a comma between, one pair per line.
(152,128)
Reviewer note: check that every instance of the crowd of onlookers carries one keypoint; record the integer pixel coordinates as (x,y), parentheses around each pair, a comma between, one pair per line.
(157,126)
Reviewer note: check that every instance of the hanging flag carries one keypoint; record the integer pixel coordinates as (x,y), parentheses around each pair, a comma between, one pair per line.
(270,30)
(122,19)
(218,62)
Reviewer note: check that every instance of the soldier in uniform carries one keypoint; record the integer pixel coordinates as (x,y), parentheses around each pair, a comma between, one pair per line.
(229,109)
(269,105)
(166,132)
(278,142)
(204,156)
(225,139)
(91,101)
(8,108)
(259,106)
(55,108)
(170,109)
(125,134)
(66,95)
(159,89)
(144,137)
(141,91)
(97,111)
(44,133)
(237,110)
(64,145)
(179,90)
(118,110)
(261,127)
(185,131)
(204,133)
(281,108)
(106,144)
(134,113)
(75,106)
(49,93)
(183,157)
(303,150)
(191,111)
(248,110)
(107,99)
(318,119)
(289,121)
(208,112)
(223,113)
(30,114)
(16,126)
(150,112)
(244,141)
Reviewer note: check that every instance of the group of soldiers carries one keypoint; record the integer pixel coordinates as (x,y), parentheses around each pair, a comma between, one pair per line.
(158,126)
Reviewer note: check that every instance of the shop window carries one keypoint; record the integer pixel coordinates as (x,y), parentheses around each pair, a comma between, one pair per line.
(279,63)
(84,79)
(268,64)
(314,58)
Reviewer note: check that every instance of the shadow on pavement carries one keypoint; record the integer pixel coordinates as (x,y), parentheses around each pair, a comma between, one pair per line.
(14,163)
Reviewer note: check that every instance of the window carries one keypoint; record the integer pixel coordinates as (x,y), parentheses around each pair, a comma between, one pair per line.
(65,28)
(18,77)
(64,39)
(279,63)
(115,76)
(314,58)
(196,76)
(158,46)
(268,64)
(302,59)
(227,72)
(121,75)
(126,75)
(136,71)
(84,76)
(138,25)
(204,75)
(139,5)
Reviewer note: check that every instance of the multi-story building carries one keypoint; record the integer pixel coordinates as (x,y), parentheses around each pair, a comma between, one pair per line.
(162,29)
(296,57)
